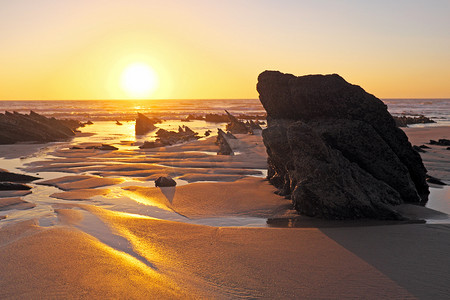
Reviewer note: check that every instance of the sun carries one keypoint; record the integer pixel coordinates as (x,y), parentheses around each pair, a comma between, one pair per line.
(139,80)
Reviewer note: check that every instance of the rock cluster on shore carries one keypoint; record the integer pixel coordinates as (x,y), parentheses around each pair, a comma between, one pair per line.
(404,121)
(335,150)
(167,138)
(16,127)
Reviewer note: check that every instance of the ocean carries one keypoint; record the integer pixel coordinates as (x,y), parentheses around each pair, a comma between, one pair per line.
(104,113)
(125,110)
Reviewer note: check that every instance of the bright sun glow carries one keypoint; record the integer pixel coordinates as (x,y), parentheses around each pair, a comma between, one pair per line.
(139,80)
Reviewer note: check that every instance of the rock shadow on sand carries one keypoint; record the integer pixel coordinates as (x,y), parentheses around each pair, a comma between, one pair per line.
(168,192)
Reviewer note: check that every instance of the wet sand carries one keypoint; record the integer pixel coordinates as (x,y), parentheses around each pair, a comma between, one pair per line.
(99,249)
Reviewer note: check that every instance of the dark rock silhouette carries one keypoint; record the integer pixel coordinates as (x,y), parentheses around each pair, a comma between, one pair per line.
(165,181)
(144,125)
(440,142)
(335,150)
(235,126)
(253,127)
(404,121)
(222,142)
(167,138)
(184,134)
(15,127)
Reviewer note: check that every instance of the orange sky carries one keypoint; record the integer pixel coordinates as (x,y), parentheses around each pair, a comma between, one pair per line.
(209,49)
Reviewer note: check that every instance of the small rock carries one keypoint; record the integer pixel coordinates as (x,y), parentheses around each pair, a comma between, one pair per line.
(424,147)
(165,181)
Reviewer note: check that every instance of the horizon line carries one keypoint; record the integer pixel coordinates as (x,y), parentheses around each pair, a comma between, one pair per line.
(206,99)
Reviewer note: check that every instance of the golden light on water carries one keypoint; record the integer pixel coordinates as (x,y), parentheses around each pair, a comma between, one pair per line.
(139,80)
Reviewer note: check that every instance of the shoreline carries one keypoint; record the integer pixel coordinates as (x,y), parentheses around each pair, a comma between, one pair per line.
(176,242)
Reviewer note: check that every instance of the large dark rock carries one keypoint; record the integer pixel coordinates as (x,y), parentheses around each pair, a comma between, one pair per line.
(15,127)
(144,124)
(335,150)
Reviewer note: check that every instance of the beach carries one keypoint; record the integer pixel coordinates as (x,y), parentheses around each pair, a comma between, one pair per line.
(100,228)
(224,150)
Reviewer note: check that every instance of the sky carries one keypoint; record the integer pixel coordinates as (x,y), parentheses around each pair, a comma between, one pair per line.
(52,49)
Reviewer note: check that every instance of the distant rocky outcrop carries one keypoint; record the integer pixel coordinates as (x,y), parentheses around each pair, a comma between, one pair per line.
(335,150)
(16,127)
(144,124)
(440,142)
(167,138)
(404,121)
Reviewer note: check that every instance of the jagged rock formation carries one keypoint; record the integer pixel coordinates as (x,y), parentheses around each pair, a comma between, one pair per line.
(335,150)
(235,126)
(167,138)
(222,142)
(144,125)
(403,121)
(16,127)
